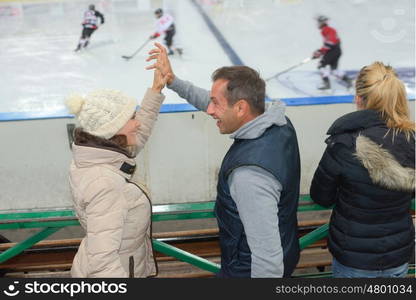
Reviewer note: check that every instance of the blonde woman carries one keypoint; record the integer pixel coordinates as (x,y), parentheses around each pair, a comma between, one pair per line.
(368,172)
(115,212)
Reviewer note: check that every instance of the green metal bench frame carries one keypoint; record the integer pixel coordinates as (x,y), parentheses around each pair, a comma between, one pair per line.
(52,221)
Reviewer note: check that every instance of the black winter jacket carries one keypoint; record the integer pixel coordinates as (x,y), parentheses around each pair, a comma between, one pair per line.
(369,174)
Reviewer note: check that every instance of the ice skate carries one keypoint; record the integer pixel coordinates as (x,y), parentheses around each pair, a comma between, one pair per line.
(77,48)
(326,85)
(347,81)
(180,51)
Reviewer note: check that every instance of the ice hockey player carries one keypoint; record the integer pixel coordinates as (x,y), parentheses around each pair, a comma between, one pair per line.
(165,24)
(90,24)
(330,53)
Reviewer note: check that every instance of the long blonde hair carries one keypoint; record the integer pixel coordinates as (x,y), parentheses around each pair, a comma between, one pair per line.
(380,89)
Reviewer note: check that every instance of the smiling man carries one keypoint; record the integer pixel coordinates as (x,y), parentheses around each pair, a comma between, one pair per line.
(258,183)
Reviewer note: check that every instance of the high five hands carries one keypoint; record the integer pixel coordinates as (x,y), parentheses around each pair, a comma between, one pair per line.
(163,72)
(162,63)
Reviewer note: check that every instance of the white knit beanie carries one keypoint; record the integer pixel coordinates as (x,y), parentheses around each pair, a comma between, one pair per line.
(103,112)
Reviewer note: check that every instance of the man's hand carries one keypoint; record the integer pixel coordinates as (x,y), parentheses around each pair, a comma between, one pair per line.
(162,64)
(154,36)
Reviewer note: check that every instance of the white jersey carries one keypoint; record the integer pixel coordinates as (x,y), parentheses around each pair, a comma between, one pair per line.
(90,19)
(164,23)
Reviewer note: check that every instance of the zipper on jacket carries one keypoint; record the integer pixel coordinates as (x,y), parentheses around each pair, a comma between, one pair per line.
(151,225)
(131,267)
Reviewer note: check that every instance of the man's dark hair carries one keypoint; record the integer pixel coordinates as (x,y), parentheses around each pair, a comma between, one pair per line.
(243,83)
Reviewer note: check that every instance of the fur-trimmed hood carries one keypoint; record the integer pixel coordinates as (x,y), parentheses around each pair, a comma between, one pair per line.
(388,156)
(382,167)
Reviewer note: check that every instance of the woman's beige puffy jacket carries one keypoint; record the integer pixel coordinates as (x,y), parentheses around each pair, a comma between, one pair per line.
(115,213)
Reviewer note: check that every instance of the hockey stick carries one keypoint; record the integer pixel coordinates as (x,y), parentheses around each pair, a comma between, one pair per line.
(127,57)
(306,60)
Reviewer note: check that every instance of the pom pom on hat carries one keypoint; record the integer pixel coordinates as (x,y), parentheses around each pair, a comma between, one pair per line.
(102,112)
(74,103)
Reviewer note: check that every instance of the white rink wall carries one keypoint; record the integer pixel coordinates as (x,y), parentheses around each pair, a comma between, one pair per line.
(180,162)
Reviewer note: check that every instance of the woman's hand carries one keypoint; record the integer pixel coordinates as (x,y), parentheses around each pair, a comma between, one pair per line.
(159,81)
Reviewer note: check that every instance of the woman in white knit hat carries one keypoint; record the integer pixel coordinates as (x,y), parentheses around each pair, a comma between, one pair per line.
(115,212)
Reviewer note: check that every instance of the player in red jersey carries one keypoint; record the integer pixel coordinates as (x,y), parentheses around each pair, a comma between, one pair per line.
(330,53)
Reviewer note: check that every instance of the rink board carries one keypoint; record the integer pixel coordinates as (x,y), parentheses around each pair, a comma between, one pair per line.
(179,164)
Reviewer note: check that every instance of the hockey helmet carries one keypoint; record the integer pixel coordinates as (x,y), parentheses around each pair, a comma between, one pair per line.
(91,7)
(159,12)
(322,19)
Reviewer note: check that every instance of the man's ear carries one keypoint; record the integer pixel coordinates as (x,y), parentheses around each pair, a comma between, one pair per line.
(242,107)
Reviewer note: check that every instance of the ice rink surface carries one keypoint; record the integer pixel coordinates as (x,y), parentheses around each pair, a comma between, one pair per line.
(39,67)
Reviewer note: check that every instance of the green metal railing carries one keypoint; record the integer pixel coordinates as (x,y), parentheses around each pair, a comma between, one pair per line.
(167,212)
(27,243)
(52,221)
(190,258)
